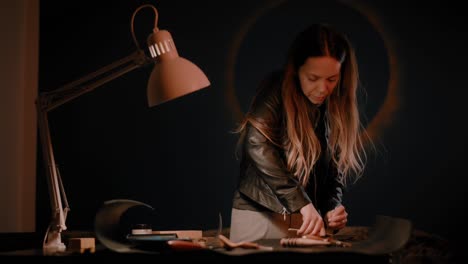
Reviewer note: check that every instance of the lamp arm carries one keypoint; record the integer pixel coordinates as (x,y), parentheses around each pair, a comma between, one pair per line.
(52,240)
(52,99)
(48,101)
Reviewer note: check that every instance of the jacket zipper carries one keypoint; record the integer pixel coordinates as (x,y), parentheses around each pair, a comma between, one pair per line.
(284,211)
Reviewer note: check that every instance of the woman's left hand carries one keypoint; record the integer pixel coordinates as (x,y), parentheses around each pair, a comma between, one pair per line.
(337,218)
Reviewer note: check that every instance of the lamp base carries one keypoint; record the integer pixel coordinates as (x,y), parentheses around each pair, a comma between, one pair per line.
(53,243)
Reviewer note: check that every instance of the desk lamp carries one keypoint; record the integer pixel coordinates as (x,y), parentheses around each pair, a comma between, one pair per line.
(172,77)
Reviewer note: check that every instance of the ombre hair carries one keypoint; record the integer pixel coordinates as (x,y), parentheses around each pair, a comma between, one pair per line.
(298,139)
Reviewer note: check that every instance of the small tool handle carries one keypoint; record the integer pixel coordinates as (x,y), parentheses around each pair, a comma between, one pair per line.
(184,245)
(302,242)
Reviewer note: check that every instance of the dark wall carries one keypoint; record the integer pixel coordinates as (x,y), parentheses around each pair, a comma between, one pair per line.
(179,157)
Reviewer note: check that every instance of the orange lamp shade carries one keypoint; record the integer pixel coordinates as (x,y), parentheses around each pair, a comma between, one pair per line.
(172,75)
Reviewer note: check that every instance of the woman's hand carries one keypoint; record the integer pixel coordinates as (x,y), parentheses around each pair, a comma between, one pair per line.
(312,222)
(337,218)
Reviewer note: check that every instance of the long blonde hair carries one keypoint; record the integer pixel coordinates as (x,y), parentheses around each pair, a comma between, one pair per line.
(299,140)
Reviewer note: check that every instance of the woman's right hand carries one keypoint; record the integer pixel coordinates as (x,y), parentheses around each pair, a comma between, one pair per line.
(312,222)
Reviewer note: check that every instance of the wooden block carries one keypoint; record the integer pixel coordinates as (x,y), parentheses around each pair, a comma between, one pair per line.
(82,244)
(192,234)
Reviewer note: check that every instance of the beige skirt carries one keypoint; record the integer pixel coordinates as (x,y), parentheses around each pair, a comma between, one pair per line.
(249,225)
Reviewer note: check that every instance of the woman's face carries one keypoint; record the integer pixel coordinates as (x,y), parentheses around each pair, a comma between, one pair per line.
(318,77)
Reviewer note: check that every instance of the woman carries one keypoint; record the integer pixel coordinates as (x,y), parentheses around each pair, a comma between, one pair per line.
(300,141)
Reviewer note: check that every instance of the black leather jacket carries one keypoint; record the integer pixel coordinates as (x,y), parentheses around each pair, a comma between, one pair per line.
(265,182)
